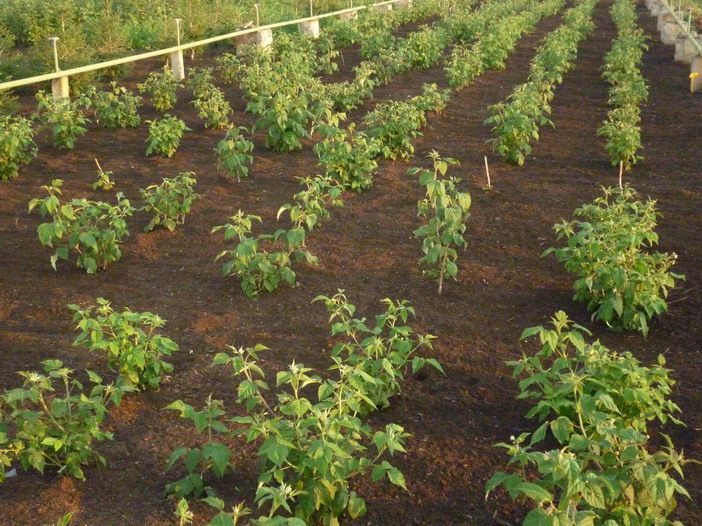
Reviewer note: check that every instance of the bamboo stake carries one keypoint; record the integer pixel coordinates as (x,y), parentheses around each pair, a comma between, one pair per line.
(487,173)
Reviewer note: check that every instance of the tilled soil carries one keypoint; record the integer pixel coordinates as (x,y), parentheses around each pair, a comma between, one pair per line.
(369,250)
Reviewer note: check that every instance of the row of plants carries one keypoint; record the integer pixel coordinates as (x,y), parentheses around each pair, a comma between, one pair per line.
(313,436)
(516,121)
(496,31)
(628,89)
(54,420)
(93,231)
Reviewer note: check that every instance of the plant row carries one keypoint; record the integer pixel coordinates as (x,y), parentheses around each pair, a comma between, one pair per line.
(516,122)
(628,89)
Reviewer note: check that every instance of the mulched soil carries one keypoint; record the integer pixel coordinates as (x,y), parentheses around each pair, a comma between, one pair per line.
(367,249)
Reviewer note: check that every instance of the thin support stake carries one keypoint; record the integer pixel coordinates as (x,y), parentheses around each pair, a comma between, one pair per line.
(53,44)
(178,21)
(311,8)
(487,173)
(621,174)
(258,19)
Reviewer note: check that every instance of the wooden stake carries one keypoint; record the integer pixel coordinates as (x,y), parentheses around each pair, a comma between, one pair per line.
(621,173)
(487,173)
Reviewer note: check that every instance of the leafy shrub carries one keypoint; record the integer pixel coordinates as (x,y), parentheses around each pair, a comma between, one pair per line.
(623,284)
(129,339)
(384,352)
(234,152)
(213,456)
(161,87)
(52,421)
(213,108)
(170,201)
(93,229)
(64,117)
(393,125)
(165,134)
(200,81)
(447,210)
(310,208)
(310,450)
(257,268)
(17,145)
(348,157)
(118,108)
(596,404)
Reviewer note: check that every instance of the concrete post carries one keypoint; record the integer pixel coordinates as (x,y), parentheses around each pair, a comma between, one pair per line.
(177,65)
(352,15)
(383,8)
(60,88)
(656,8)
(680,45)
(670,33)
(663,18)
(404,4)
(696,83)
(262,38)
(310,28)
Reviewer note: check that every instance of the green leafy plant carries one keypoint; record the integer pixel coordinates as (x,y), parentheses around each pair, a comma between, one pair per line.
(104,181)
(213,456)
(213,108)
(170,201)
(200,81)
(622,283)
(310,207)
(117,108)
(164,135)
(384,353)
(596,405)
(52,421)
(234,152)
(393,125)
(63,116)
(348,157)
(258,268)
(161,87)
(447,210)
(17,145)
(92,229)
(134,349)
(310,450)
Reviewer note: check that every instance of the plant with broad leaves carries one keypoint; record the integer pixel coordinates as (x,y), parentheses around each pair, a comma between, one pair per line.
(161,87)
(170,201)
(92,229)
(165,134)
(213,108)
(311,450)
(234,152)
(117,108)
(257,268)
(447,210)
(622,283)
(384,352)
(348,157)
(596,404)
(134,349)
(393,125)
(63,117)
(17,145)
(200,81)
(212,457)
(311,206)
(51,421)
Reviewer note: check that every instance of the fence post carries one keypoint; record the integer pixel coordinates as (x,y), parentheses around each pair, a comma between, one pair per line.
(59,87)
(696,67)
(310,28)
(177,64)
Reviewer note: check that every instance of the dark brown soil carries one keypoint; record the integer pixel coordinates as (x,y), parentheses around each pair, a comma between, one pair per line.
(367,249)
